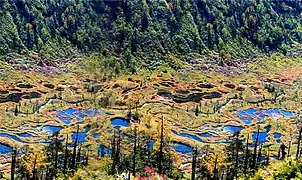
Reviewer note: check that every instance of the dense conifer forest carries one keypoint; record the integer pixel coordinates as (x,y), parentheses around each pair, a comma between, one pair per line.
(145,31)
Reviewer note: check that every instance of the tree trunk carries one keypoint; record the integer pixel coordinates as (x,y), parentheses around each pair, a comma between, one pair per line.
(289,145)
(194,163)
(73,160)
(78,159)
(260,153)
(299,140)
(255,149)
(161,146)
(134,151)
(56,153)
(215,168)
(268,155)
(13,166)
(237,154)
(35,170)
(113,145)
(246,160)
(65,156)
(87,157)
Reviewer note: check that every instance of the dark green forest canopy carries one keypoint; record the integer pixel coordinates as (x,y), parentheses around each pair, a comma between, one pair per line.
(144,31)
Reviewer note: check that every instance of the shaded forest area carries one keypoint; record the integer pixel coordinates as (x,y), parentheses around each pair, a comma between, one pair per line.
(144,31)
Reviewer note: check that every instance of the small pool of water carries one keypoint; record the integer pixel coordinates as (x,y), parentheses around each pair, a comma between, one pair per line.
(274,113)
(191,136)
(5,149)
(65,120)
(206,135)
(96,135)
(287,113)
(181,148)
(187,135)
(26,135)
(277,135)
(67,115)
(231,129)
(267,128)
(50,129)
(119,122)
(10,136)
(260,115)
(90,112)
(81,137)
(248,114)
(151,144)
(261,138)
(103,150)
(262,159)
(246,120)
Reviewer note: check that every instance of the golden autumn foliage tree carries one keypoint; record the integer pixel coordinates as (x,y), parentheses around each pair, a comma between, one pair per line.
(211,162)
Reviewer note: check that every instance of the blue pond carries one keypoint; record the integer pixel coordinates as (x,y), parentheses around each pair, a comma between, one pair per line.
(191,136)
(67,115)
(81,137)
(260,115)
(90,112)
(287,113)
(261,138)
(4,149)
(103,150)
(119,122)
(232,129)
(10,136)
(65,120)
(151,144)
(95,135)
(267,128)
(246,120)
(181,148)
(277,135)
(206,135)
(250,112)
(275,113)
(26,135)
(187,135)
(49,129)
(246,115)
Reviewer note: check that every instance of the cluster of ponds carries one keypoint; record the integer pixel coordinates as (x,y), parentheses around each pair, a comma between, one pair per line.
(247,116)
(207,134)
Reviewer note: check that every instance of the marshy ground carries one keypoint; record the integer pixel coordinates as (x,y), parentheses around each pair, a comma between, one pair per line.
(200,108)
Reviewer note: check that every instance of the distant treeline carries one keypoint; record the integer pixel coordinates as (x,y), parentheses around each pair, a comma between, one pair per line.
(144,31)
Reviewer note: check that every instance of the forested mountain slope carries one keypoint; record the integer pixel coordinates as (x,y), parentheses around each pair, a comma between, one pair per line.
(144,31)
